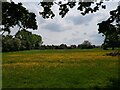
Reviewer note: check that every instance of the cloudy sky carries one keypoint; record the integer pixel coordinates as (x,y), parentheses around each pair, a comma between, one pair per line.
(73,28)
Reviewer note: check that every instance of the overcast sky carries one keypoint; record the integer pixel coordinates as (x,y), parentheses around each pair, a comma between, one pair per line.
(73,28)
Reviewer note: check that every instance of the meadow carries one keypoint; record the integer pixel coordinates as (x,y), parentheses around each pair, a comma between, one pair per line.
(58,68)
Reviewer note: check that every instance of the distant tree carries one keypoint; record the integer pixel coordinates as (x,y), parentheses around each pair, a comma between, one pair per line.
(53,46)
(85,45)
(73,46)
(42,47)
(56,47)
(63,46)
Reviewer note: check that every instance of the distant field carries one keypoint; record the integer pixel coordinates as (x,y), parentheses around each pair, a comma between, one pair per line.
(58,69)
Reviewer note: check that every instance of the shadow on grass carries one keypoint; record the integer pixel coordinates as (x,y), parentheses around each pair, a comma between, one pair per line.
(114,84)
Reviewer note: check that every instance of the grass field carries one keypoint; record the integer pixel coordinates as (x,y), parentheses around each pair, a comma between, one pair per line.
(58,69)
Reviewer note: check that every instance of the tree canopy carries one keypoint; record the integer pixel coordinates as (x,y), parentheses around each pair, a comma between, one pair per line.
(82,5)
(111,29)
(15,14)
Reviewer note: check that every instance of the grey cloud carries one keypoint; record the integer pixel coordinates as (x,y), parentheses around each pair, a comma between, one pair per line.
(102,19)
(86,24)
(40,20)
(46,29)
(97,39)
(86,20)
(81,19)
(72,41)
(54,27)
(75,33)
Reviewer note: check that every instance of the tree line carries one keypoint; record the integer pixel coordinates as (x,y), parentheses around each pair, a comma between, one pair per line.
(25,40)
(84,45)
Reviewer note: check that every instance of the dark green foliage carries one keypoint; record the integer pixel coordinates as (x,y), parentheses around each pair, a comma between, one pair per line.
(25,37)
(83,7)
(15,14)
(114,83)
(36,41)
(110,31)
(23,40)
(47,10)
(28,40)
(10,44)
